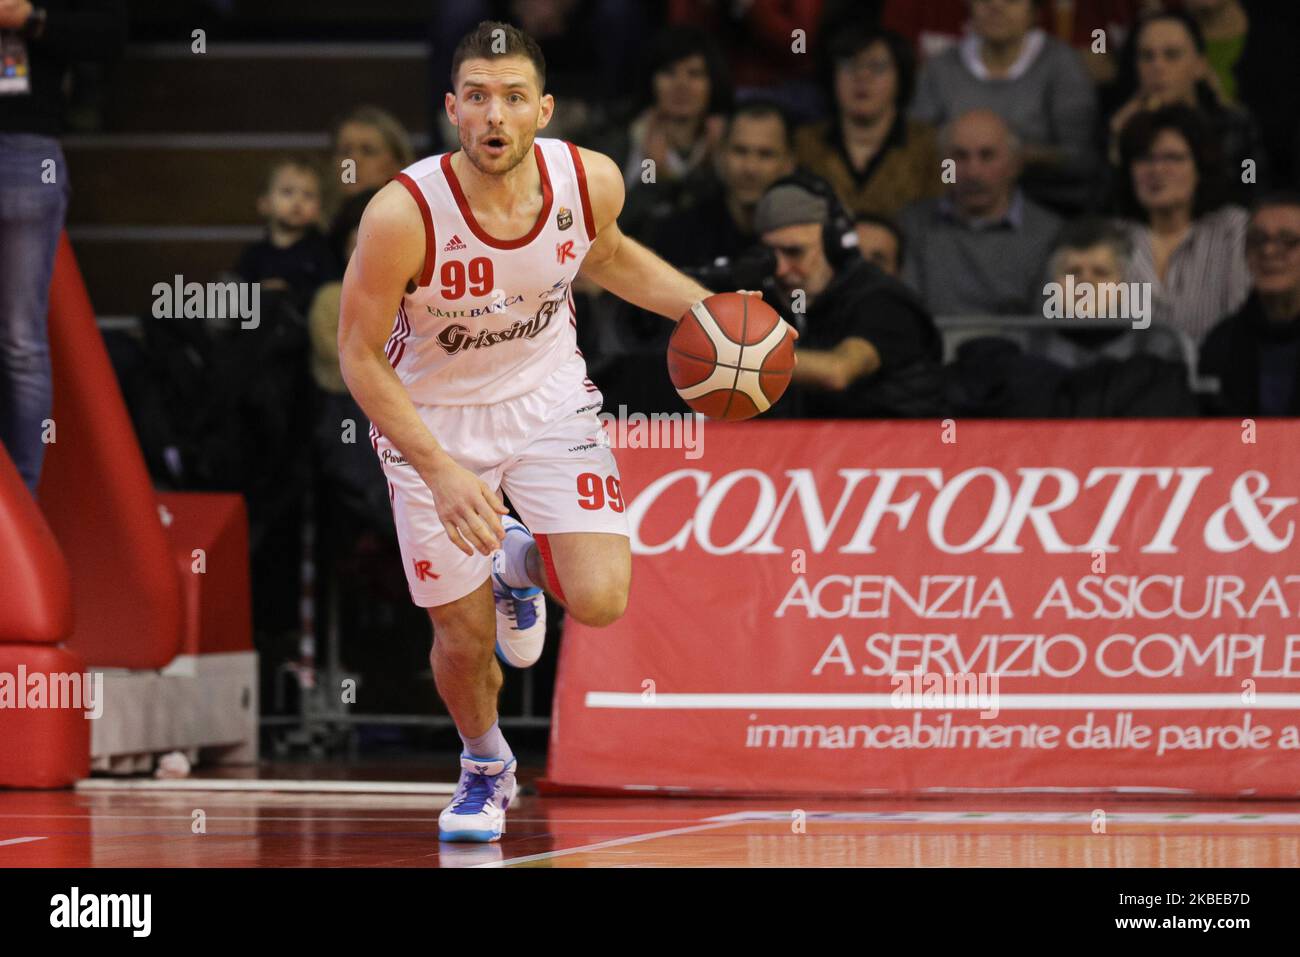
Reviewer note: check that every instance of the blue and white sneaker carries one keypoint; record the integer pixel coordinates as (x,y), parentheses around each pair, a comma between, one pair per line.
(521,612)
(477,811)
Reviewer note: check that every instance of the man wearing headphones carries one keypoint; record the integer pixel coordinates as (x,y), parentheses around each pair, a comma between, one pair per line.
(867,346)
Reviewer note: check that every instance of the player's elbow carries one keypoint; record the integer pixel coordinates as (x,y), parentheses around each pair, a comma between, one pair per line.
(356,355)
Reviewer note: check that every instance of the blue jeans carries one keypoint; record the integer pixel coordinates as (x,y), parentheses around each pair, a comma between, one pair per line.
(32,211)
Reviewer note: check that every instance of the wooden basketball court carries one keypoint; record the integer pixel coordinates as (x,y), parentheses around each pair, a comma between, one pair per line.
(130,826)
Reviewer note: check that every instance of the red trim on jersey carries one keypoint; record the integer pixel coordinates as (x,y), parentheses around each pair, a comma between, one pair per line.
(430,250)
(395,348)
(548,562)
(402,337)
(468,214)
(582,191)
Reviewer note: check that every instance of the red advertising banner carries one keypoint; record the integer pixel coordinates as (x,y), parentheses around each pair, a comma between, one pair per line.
(900,607)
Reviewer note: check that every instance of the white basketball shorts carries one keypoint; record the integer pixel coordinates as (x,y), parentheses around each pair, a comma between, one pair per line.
(545,449)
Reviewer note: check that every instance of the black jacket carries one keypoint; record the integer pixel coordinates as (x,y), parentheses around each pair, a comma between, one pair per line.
(1231,352)
(864,302)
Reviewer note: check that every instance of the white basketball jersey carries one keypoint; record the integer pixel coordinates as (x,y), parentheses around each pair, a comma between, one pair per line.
(492,319)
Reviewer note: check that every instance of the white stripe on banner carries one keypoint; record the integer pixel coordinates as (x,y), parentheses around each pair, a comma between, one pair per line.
(1004,702)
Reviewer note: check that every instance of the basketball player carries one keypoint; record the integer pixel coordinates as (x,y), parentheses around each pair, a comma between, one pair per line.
(478,386)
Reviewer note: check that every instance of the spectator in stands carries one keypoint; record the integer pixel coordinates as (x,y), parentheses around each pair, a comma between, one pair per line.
(756,151)
(1255,352)
(1092,257)
(1186,242)
(867,348)
(934,26)
(1224,25)
(667,148)
(1251,47)
(1034,82)
(293,257)
(350,470)
(1167,62)
(980,248)
(758,41)
(880,242)
(370,147)
(876,158)
(39,45)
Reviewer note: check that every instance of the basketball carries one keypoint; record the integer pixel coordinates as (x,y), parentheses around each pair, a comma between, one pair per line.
(731,357)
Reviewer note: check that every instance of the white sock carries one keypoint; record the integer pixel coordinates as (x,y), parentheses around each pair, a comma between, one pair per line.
(490,745)
(514,570)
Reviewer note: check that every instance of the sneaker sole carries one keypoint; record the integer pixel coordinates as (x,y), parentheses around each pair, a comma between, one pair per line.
(501,655)
(475,837)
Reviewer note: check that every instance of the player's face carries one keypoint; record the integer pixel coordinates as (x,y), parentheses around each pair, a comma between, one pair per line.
(293,200)
(1168,65)
(364,145)
(1273,250)
(800,259)
(1166,177)
(755,157)
(497,110)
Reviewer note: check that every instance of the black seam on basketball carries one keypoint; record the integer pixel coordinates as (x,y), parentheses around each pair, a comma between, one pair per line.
(691,355)
(744,332)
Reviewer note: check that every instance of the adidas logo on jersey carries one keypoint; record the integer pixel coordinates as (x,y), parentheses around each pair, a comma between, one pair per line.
(453,244)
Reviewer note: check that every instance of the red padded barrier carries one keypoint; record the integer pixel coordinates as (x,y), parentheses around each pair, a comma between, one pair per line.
(35,593)
(43,747)
(218,602)
(99,500)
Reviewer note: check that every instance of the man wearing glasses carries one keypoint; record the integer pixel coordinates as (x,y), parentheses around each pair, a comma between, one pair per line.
(1255,352)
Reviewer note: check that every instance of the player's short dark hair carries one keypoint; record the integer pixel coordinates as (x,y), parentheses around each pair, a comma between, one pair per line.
(760,107)
(887,224)
(484,43)
(296,161)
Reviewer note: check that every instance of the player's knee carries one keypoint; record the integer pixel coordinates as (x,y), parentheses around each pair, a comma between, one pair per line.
(598,603)
(462,640)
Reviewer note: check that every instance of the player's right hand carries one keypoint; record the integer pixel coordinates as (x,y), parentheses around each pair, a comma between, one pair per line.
(468,509)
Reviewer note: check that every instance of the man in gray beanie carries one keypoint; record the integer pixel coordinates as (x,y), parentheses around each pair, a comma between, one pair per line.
(867,347)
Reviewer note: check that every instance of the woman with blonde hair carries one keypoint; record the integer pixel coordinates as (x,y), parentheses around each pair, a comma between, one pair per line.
(369,147)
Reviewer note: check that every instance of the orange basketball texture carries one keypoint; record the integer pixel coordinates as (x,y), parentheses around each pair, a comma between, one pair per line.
(728,359)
